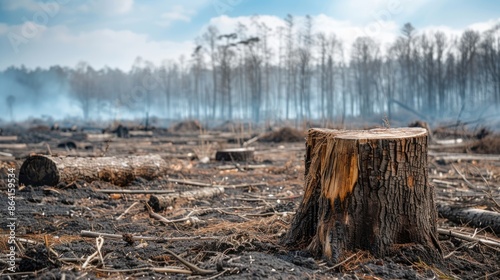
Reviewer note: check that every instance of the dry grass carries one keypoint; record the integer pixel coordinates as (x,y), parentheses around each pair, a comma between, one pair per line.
(268,226)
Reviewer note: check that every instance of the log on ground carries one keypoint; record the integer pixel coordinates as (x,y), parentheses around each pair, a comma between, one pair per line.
(8,138)
(39,170)
(472,217)
(365,190)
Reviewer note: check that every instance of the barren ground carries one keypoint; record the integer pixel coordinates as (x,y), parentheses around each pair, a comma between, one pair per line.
(235,235)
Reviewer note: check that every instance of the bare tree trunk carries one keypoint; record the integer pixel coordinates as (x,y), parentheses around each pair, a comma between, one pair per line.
(366,190)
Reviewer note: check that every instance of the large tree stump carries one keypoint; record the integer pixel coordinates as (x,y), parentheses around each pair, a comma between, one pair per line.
(39,170)
(365,190)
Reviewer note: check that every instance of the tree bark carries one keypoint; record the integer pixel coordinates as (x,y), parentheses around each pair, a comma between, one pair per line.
(39,170)
(365,190)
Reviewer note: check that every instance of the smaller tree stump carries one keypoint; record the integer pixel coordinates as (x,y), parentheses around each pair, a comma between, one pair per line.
(366,190)
(236,154)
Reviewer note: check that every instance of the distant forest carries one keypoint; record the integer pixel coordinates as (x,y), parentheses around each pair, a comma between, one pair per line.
(307,76)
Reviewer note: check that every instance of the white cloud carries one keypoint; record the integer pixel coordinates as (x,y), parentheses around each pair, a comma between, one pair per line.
(455,33)
(177,13)
(99,48)
(366,12)
(483,26)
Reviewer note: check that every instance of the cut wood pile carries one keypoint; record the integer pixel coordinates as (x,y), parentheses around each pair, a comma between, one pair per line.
(153,206)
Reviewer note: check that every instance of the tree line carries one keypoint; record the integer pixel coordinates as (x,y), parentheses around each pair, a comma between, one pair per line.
(308,75)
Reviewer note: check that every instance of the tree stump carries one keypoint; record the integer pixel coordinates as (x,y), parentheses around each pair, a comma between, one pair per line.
(365,190)
(236,154)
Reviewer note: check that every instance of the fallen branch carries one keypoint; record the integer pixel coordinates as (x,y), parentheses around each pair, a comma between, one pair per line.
(253,140)
(200,184)
(448,157)
(154,269)
(127,210)
(341,263)
(193,220)
(190,183)
(451,233)
(191,266)
(135,191)
(87,233)
(463,177)
(8,138)
(246,166)
(160,202)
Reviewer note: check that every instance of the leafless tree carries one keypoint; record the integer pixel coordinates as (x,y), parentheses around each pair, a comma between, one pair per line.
(467,48)
(364,62)
(83,85)
(10,103)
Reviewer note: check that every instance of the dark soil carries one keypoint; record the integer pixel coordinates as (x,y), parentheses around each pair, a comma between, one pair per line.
(236,235)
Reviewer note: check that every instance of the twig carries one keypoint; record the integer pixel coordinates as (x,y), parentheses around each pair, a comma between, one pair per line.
(135,191)
(157,216)
(192,219)
(87,233)
(463,176)
(127,210)
(48,148)
(155,269)
(254,139)
(99,243)
(488,276)
(47,246)
(341,263)
(191,183)
(248,166)
(456,250)
(200,184)
(218,274)
(89,259)
(71,259)
(191,266)
(270,214)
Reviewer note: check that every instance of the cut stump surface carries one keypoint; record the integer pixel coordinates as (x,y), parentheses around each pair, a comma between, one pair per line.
(365,190)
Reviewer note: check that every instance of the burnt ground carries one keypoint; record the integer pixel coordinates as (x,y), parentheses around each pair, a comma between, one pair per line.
(234,235)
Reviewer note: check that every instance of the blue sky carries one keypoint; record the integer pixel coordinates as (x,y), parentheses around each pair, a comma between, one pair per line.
(113,32)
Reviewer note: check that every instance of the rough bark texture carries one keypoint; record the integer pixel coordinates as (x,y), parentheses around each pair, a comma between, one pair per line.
(365,190)
(472,217)
(39,170)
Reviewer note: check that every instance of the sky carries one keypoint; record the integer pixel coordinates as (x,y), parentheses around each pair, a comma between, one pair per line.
(113,33)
